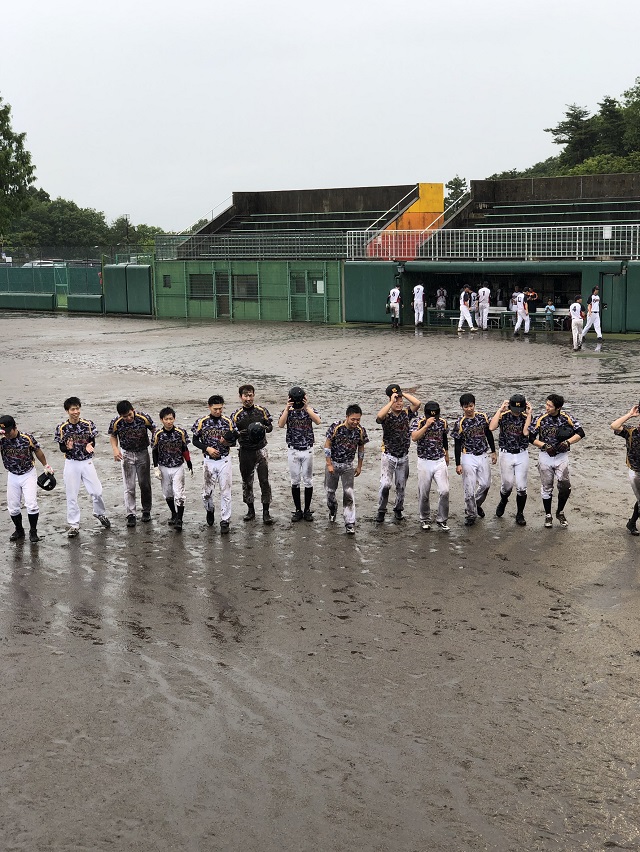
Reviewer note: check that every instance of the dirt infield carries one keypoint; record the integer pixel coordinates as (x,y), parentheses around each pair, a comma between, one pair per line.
(295,688)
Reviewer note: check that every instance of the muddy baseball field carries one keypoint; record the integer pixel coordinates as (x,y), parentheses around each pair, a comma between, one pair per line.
(295,688)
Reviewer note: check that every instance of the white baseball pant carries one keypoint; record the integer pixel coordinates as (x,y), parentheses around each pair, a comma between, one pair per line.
(484,317)
(550,468)
(428,470)
(523,316)
(78,473)
(634,479)
(514,470)
(217,472)
(465,316)
(346,473)
(393,471)
(22,486)
(300,466)
(593,320)
(172,482)
(576,330)
(418,310)
(476,481)
(136,467)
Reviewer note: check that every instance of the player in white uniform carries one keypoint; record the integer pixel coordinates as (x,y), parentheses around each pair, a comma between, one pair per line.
(465,316)
(514,419)
(522,312)
(577,321)
(418,304)
(484,294)
(593,315)
(395,300)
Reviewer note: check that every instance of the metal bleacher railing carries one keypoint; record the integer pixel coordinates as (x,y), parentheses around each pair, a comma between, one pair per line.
(578,242)
(254,245)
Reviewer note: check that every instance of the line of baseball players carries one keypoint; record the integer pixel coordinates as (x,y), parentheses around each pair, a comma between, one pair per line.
(132,432)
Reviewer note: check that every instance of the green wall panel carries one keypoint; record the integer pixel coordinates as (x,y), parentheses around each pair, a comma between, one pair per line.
(27,301)
(115,289)
(139,298)
(633,296)
(84,304)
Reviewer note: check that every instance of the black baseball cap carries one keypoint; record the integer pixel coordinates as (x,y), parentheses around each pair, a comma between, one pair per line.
(7,422)
(431,409)
(517,404)
(391,389)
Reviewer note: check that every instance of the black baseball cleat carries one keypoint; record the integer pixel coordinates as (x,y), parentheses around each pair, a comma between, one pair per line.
(469,522)
(480,511)
(380,518)
(307,515)
(172,520)
(224,527)
(398,514)
(17,535)
(520,520)
(332,517)
(131,520)
(33,536)
(251,513)
(146,517)
(104,520)
(633,529)
(211,516)
(266,517)
(500,509)
(564,523)
(296,516)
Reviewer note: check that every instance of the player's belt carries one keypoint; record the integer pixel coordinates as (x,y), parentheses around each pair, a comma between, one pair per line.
(470,453)
(301,449)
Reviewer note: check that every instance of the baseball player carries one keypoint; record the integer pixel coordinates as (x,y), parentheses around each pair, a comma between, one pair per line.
(513,418)
(395,300)
(441,301)
(631,434)
(129,436)
(465,316)
(554,431)
(396,439)
(343,440)
(250,424)
(484,296)
(299,417)
(576,313)
(593,315)
(430,436)
(76,438)
(472,437)
(209,436)
(418,304)
(473,307)
(170,451)
(17,450)
(521,307)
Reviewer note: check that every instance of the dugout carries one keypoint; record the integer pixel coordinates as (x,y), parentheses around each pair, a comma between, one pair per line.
(367,284)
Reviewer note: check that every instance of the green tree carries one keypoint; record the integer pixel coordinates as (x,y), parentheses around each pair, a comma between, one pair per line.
(16,170)
(578,133)
(455,189)
(59,223)
(631,111)
(610,129)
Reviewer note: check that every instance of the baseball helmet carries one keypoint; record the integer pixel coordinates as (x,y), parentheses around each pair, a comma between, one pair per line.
(391,389)
(564,432)
(517,403)
(296,395)
(256,431)
(47,481)
(431,409)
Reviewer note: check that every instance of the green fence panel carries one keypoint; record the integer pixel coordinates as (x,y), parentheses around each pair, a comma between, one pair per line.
(115,289)
(27,301)
(84,281)
(139,299)
(86,304)
(633,296)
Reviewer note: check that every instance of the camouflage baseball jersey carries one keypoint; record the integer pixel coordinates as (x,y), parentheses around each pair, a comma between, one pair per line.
(510,437)
(170,445)
(133,436)
(471,432)
(396,434)
(631,434)
(82,433)
(209,432)
(547,425)
(434,442)
(17,453)
(299,429)
(345,441)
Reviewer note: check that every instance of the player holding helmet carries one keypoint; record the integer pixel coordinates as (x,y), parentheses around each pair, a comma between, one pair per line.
(631,434)
(514,419)
(250,425)
(299,418)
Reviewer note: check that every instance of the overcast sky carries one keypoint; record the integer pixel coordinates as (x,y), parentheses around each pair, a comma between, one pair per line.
(161,110)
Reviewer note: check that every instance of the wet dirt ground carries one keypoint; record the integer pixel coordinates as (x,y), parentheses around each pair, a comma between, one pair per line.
(295,688)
